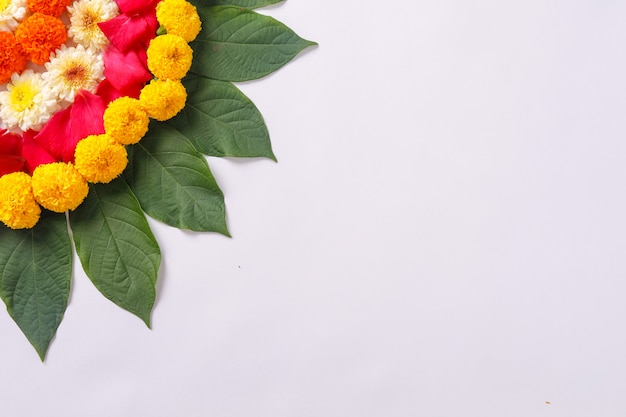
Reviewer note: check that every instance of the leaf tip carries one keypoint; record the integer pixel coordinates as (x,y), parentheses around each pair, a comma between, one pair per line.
(41,352)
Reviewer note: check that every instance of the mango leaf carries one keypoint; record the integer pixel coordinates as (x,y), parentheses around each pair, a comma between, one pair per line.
(116,247)
(248,4)
(173,182)
(35,276)
(220,120)
(237,44)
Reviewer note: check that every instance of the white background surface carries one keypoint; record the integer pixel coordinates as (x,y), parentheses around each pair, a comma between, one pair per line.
(444,235)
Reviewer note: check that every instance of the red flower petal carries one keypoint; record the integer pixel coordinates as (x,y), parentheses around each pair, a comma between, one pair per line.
(55,133)
(127,72)
(63,131)
(125,31)
(87,112)
(134,6)
(10,143)
(10,153)
(10,163)
(32,152)
(109,93)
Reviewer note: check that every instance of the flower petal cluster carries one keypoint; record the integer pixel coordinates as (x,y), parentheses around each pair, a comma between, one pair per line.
(100,159)
(163,99)
(179,17)
(94,98)
(48,7)
(126,120)
(40,35)
(73,69)
(169,57)
(28,102)
(12,57)
(18,208)
(11,13)
(84,18)
(59,186)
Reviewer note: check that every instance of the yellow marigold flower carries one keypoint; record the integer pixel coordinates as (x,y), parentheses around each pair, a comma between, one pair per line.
(18,208)
(179,17)
(99,159)
(59,186)
(125,120)
(40,35)
(163,99)
(169,56)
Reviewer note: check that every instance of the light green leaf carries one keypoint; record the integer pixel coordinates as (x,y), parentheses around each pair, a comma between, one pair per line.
(35,275)
(173,182)
(237,44)
(221,121)
(116,247)
(248,4)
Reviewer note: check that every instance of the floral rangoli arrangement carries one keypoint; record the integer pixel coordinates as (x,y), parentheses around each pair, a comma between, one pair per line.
(107,110)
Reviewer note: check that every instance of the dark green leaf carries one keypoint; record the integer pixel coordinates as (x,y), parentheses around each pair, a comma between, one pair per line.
(221,121)
(248,4)
(116,247)
(173,182)
(35,275)
(237,44)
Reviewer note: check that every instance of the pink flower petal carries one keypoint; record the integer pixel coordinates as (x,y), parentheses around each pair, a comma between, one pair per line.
(134,6)
(126,31)
(33,153)
(55,133)
(10,163)
(67,127)
(128,71)
(10,143)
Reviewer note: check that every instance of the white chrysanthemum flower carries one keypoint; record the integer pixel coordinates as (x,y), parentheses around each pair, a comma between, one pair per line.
(84,18)
(73,69)
(28,103)
(11,13)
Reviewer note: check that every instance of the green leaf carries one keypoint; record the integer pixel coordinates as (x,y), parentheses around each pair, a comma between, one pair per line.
(35,276)
(221,121)
(237,44)
(173,182)
(248,4)
(116,247)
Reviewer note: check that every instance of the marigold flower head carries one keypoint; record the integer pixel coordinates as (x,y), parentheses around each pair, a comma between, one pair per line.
(48,7)
(169,56)
(125,120)
(163,99)
(179,17)
(99,159)
(40,35)
(59,186)
(12,57)
(18,208)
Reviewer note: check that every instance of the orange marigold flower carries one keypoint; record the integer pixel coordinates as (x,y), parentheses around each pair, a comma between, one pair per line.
(49,7)
(40,35)
(12,57)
